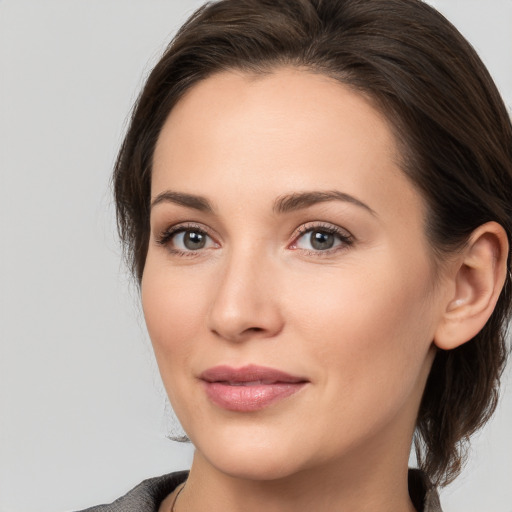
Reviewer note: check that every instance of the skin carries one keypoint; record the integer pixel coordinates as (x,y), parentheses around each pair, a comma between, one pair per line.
(358,321)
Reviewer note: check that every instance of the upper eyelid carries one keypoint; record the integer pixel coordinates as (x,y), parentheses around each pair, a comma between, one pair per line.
(319,225)
(163,236)
(184,226)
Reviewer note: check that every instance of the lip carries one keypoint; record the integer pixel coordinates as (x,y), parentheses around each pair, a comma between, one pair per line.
(249,388)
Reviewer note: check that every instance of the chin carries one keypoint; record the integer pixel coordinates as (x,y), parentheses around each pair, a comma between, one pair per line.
(255,467)
(262,458)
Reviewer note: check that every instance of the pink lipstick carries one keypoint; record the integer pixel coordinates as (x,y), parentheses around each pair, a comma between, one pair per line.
(249,388)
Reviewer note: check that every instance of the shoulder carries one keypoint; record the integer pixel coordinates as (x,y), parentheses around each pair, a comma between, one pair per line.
(145,497)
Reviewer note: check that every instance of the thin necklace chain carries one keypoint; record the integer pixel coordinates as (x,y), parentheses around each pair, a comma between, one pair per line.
(176,497)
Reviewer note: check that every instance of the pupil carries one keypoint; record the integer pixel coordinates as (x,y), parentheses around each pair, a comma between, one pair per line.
(321,240)
(194,240)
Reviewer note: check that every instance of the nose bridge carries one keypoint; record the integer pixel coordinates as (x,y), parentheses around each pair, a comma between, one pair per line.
(244,303)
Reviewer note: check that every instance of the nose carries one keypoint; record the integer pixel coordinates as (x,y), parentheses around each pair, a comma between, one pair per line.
(246,302)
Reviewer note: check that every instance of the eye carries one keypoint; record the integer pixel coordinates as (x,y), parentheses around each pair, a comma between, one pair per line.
(322,239)
(182,239)
(190,240)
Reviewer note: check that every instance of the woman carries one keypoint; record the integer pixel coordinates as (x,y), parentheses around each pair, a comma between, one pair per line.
(315,200)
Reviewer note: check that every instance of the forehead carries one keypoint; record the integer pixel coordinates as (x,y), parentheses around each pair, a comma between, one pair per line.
(279,132)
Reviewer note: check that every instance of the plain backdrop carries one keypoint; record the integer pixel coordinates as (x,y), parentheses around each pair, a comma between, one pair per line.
(83,416)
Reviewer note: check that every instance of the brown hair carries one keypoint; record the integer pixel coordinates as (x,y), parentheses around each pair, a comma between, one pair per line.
(452,127)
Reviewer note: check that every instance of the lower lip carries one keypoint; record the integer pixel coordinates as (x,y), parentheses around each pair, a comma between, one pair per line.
(249,398)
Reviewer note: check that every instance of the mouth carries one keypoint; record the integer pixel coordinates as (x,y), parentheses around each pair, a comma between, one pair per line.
(249,388)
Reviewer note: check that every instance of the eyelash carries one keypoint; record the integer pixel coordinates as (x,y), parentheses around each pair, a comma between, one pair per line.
(343,236)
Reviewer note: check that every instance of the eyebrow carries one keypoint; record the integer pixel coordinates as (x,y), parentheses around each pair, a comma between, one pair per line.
(283,204)
(298,201)
(188,200)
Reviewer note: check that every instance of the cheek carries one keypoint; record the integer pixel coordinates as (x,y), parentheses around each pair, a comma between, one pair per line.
(175,306)
(369,332)
(358,305)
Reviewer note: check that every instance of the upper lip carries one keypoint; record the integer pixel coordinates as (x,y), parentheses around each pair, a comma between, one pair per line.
(249,373)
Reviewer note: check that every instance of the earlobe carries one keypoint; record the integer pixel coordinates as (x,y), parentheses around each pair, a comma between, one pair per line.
(477,281)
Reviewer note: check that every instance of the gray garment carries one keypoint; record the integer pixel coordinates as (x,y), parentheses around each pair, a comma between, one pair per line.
(149,494)
(146,497)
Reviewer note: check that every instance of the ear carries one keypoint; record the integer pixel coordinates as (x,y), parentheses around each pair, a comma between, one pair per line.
(478,278)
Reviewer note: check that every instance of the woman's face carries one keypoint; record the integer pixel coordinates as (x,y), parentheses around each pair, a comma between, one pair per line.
(288,288)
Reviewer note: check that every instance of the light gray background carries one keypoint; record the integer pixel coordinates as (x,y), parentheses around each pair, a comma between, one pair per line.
(83,416)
